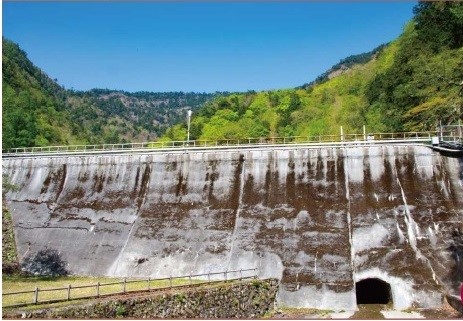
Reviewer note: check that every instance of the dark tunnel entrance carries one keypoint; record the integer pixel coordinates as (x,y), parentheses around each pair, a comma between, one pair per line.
(373,291)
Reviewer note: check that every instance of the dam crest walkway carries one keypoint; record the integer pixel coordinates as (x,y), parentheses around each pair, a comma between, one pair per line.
(232,145)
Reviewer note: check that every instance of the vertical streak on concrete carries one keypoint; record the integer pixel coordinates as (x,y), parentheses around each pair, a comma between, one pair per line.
(349,219)
(141,199)
(411,224)
(62,184)
(144,186)
(238,209)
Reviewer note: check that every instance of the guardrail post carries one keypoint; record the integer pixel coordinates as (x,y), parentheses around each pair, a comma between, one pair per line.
(69,292)
(98,289)
(36,295)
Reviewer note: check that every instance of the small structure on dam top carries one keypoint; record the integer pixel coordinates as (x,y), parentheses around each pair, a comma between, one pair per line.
(336,226)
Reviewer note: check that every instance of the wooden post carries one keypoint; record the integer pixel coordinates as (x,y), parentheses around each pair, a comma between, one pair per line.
(170,280)
(98,289)
(190,277)
(124,285)
(225,276)
(69,292)
(209,277)
(149,283)
(241,274)
(36,295)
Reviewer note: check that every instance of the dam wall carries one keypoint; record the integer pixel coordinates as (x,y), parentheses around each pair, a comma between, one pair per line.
(319,220)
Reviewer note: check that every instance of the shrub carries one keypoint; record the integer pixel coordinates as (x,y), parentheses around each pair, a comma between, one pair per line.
(47,262)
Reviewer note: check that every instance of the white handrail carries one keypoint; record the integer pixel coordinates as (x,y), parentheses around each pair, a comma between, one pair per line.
(251,141)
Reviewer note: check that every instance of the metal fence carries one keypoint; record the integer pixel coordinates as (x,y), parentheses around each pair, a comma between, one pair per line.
(451,133)
(253,141)
(67,293)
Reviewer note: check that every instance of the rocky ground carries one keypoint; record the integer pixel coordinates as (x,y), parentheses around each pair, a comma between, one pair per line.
(370,312)
(9,259)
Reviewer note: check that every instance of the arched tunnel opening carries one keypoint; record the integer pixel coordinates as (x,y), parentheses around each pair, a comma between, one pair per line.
(373,291)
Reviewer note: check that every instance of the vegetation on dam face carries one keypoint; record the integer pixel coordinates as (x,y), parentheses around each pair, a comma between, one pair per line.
(412,83)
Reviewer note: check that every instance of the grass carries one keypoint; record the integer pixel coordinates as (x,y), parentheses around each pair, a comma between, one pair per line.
(21,284)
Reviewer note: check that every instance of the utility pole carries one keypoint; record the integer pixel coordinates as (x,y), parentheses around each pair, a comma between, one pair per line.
(188,135)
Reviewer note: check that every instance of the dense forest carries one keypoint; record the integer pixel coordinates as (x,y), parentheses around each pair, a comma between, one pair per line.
(111,116)
(412,83)
(39,112)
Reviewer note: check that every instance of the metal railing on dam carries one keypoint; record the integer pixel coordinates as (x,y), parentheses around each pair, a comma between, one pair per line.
(333,141)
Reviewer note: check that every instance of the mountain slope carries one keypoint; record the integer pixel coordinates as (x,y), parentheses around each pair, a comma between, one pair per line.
(33,104)
(412,83)
(112,116)
(39,112)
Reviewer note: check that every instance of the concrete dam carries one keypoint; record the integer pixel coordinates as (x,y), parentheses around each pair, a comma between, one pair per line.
(335,225)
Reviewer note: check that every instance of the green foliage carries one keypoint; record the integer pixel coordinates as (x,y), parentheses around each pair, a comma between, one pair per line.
(412,83)
(422,87)
(33,104)
(180,297)
(439,24)
(120,310)
(38,112)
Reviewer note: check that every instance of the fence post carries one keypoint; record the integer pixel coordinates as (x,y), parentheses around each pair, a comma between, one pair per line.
(69,292)
(190,277)
(170,280)
(241,274)
(98,289)
(124,284)
(209,277)
(149,283)
(225,273)
(36,295)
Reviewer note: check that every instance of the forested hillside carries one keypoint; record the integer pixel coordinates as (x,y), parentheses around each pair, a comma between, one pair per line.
(412,83)
(37,111)
(33,109)
(110,116)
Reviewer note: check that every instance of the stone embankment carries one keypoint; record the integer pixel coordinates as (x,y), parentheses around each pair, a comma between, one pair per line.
(247,299)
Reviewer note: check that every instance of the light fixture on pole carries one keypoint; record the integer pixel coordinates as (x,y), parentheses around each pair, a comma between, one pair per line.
(188,135)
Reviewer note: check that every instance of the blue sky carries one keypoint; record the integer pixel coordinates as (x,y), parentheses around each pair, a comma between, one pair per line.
(197,46)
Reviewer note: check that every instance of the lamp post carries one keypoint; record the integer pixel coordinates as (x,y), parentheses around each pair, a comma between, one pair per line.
(188,135)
